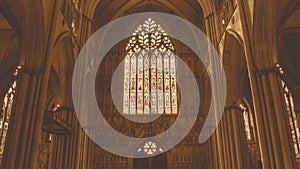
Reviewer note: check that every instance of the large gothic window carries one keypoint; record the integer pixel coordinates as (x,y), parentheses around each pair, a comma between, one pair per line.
(5,114)
(150,72)
(293,122)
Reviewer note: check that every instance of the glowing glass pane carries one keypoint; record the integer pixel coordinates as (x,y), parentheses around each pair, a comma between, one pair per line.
(150,148)
(293,122)
(150,72)
(247,118)
(5,115)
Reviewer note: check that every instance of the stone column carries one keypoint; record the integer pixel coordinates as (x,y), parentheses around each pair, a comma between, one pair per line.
(24,121)
(231,138)
(237,138)
(221,151)
(218,143)
(214,161)
(272,120)
(271,116)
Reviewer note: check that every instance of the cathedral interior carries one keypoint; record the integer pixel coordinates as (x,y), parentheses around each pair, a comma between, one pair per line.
(255,41)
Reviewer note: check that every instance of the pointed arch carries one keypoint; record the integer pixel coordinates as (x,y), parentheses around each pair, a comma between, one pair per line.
(233,52)
(150,72)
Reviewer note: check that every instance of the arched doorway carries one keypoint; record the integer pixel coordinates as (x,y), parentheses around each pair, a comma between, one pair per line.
(142,163)
(157,162)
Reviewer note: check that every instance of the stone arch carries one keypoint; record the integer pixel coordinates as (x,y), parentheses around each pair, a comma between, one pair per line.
(264,34)
(9,53)
(234,65)
(10,17)
(91,6)
(288,51)
(27,18)
(62,63)
(33,35)
(100,16)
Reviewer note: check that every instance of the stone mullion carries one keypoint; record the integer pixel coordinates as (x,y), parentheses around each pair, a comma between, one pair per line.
(83,139)
(230,137)
(236,143)
(218,145)
(56,154)
(86,152)
(74,138)
(224,145)
(70,140)
(51,152)
(76,147)
(229,144)
(86,26)
(88,156)
(60,152)
(237,156)
(66,152)
(79,148)
(214,152)
(54,157)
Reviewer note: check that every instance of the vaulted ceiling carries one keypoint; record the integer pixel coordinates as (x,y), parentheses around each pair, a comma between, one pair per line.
(289,52)
(108,10)
(6,35)
(8,50)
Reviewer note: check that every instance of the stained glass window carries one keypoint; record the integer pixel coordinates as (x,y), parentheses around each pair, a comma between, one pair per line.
(247,123)
(293,122)
(150,72)
(150,148)
(5,114)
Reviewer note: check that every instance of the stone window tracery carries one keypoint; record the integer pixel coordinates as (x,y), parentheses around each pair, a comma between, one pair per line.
(150,72)
(5,115)
(292,118)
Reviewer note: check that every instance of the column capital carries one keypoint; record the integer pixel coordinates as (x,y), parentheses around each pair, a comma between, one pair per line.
(26,70)
(273,69)
(233,107)
(209,15)
(87,18)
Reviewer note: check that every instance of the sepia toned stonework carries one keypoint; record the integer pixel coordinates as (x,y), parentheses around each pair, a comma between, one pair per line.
(257,42)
